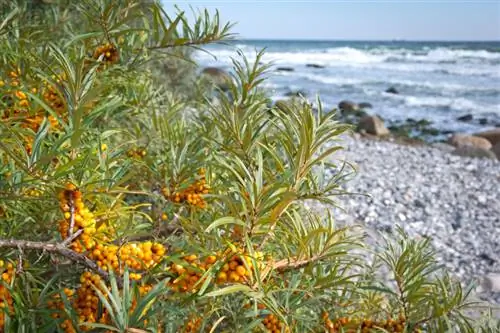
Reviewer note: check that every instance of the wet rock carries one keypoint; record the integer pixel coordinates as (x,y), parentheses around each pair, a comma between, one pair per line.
(467,117)
(315,66)
(392,90)
(365,105)
(348,106)
(285,69)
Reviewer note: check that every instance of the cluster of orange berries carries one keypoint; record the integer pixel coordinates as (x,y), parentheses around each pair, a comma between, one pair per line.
(85,302)
(346,324)
(274,325)
(187,276)
(21,106)
(137,256)
(8,272)
(237,269)
(109,52)
(56,305)
(137,153)
(193,325)
(270,321)
(73,207)
(192,194)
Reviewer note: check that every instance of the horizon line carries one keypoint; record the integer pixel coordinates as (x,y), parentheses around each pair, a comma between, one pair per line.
(366,40)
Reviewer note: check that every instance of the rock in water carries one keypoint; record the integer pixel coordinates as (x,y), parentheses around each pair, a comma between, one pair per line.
(365,105)
(348,106)
(373,125)
(467,117)
(464,140)
(285,69)
(492,136)
(218,76)
(315,66)
(297,93)
(392,90)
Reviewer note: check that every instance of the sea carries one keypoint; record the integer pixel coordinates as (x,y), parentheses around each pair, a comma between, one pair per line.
(436,81)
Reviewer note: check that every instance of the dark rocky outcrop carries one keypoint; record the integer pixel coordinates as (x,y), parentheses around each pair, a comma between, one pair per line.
(314,66)
(467,117)
(348,106)
(392,90)
(285,69)
(365,105)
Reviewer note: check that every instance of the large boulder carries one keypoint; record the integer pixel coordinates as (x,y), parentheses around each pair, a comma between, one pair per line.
(492,136)
(218,77)
(464,140)
(372,125)
(348,106)
(476,152)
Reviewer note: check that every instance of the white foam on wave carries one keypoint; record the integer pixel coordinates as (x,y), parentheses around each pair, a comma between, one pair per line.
(354,55)
(459,104)
(432,85)
(440,60)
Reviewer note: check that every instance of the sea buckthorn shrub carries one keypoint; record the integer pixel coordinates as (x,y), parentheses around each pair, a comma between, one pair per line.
(135,197)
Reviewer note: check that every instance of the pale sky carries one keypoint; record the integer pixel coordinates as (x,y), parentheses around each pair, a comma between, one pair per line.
(358,20)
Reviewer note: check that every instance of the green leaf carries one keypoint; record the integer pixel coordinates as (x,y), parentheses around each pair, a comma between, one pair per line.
(229,290)
(224,221)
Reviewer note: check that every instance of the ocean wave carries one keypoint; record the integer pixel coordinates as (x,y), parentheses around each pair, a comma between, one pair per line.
(433,86)
(445,103)
(347,54)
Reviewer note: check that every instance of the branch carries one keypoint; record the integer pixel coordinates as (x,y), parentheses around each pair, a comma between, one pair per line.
(72,216)
(286,264)
(58,248)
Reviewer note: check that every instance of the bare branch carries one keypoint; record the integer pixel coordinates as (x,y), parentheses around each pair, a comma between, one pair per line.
(71,238)
(54,248)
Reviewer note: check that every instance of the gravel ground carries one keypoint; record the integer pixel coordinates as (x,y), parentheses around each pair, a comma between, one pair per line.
(430,192)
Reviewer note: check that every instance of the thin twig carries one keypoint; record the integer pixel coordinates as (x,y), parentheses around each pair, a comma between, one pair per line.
(72,215)
(287,264)
(68,240)
(19,268)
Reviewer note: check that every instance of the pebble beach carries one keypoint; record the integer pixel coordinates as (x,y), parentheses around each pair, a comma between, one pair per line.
(429,192)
